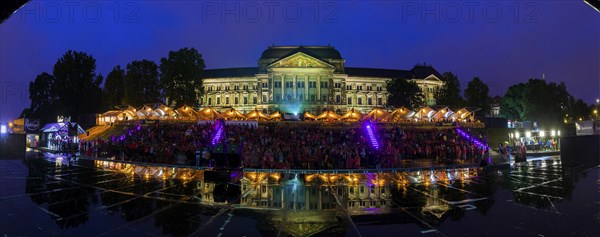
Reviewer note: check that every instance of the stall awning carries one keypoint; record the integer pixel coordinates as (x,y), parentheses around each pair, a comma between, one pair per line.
(56,127)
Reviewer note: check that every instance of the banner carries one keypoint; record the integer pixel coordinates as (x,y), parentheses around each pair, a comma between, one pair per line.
(31,125)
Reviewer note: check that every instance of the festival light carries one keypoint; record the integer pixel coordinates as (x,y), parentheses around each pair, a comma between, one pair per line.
(528,134)
(542,134)
(468,137)
(372,137)
(553,133)
(2,129)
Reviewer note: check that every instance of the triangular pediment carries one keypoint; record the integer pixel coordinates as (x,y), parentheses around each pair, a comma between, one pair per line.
(300,60)
(432,78)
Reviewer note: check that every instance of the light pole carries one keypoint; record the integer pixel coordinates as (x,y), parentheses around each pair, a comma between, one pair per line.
(596,110)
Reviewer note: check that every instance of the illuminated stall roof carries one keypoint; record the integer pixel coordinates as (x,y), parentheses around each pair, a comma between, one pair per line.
(256,115)
(425,113)
(232,114)
(400,114)
(328,115)
(466,112)
(352,115)
(442,112)
(377,114)
(275,116)
(186,112)
(207,113)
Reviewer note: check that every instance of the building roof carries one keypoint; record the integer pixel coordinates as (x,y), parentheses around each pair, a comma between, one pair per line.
(230,72)
(321,52)
(418,72)
(377,72)
(422,71)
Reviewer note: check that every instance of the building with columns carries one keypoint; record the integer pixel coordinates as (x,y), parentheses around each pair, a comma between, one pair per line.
(295,79)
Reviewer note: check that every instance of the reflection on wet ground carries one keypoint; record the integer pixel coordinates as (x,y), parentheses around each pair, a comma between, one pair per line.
(46,197)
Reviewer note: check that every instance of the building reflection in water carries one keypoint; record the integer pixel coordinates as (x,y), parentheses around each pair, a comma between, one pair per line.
(362,193)
(297,204)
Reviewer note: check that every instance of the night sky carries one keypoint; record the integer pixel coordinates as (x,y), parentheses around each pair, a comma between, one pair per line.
(502,42)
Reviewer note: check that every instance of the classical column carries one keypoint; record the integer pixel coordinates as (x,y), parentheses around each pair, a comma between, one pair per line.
(282,87)
(294,86)
(295,200)
(319,88)
(307,201)
(320,204)
(282,199)
(271,88)
(306,88)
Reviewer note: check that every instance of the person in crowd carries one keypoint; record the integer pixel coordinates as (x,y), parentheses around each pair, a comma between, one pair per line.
(288,145)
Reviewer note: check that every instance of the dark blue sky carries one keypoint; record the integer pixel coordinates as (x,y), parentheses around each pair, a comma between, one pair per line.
(502,42)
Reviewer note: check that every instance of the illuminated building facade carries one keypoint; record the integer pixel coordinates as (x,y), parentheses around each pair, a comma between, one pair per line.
(294,79)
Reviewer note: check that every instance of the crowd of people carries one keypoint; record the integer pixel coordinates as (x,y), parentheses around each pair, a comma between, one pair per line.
(281,145)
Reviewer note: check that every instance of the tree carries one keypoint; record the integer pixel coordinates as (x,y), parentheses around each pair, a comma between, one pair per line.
(579,109)
(76,85)
(449,93)
(404,93)
(43,99)
(181,76)
(512,105)
(546,103)
(477,95)
(141,83)
(114,88)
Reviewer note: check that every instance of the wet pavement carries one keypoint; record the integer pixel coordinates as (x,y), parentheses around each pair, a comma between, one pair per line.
(46,196)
